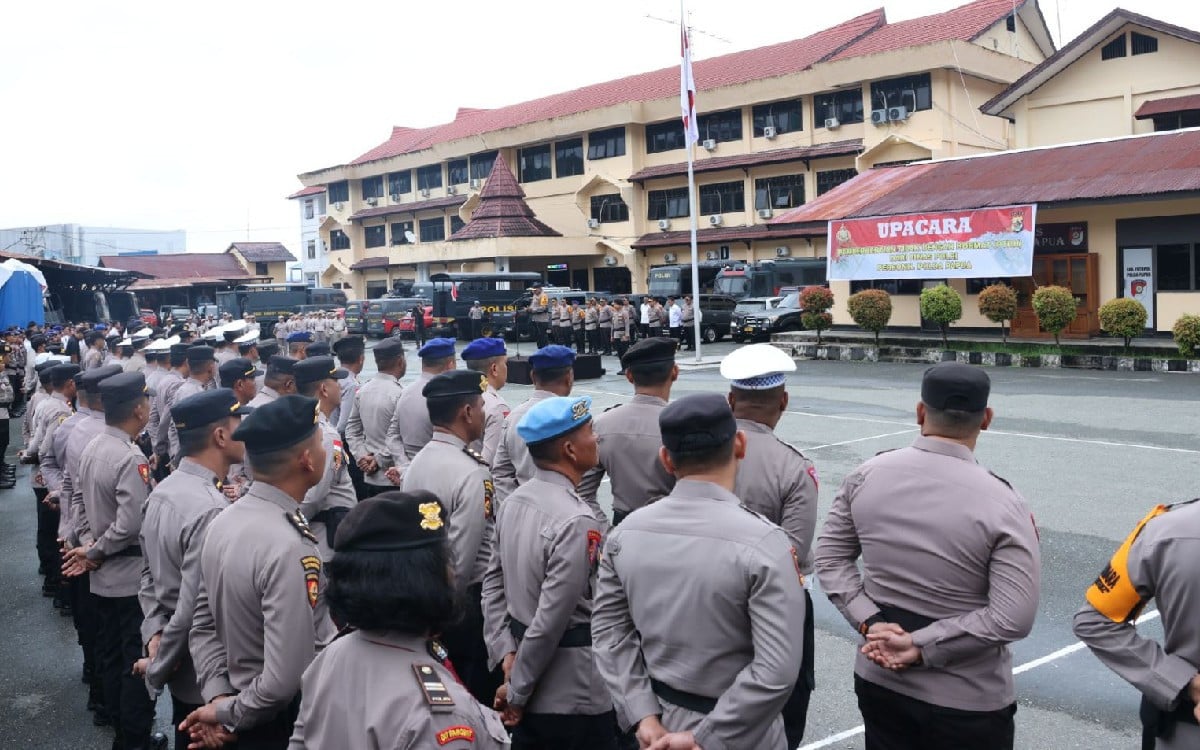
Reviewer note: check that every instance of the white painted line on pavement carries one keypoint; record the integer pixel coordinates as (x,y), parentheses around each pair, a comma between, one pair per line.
(1107,443)
(848,419)
(1034,664)
(857,440)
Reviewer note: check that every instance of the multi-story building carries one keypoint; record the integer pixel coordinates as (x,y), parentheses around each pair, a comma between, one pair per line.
(76,243)
(604,165)
(311,203)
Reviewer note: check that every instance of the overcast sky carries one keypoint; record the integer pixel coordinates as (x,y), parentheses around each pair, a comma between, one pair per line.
(199,116)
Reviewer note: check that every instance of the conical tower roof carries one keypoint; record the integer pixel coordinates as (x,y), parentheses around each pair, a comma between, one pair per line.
(502,210)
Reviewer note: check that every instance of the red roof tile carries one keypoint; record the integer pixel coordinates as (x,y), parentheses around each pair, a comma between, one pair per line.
(778,156)
(502,210)
(964,23)
(1165,106)
(262,252)
(410,208)
(1157,164)
(724,234)
(305,192)
(181,266)
(375,261)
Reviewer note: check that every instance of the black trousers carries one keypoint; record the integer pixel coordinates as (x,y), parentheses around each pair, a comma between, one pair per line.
(540,333)
(476,328)
(579,345)
(419,334)
(897,722)
(273,735)
(46,541)
(356,474)
(606,340)
(118,646)
(5,437)
(371,490)
(179,712)
(689,335)
(622,346)
(468,653)
(593,339)
(565,732)
(654,331)
(795,711)
(83,613)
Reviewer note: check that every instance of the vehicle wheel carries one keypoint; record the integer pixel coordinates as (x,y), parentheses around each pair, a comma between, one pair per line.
(738,339)
(710,335)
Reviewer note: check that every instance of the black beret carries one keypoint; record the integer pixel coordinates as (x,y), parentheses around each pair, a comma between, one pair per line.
(389,349)
(319,349)
(201,354)
(91,379)
(349,347)
(44,366)
(61,373)
(124,387)
(206,407)
(649,351)
(455,383)
(178,354)
(267,348)
(698,422)
(92,337)
(281,365)
(392,520)
(953,385)
(237,369)
(280,424)
(315,369)
(37,340)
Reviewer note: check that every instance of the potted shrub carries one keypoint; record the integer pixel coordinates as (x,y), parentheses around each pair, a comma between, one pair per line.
(1123,317)
(815,301)
(1055,308)
(871,310)
(943,306)
(998,303)
(1187,334)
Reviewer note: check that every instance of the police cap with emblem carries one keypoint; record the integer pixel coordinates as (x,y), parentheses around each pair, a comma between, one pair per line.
(90,380)
(953,385)
(757,367)
(319,349)
(696,423)
(206,407)
(316,369)
(440,348)
(650,351)
(392,520)
(455,383)
(236,369)
(389,349)
(281,365)
(61,373)
(282,423)
(123,388)
(554,417)
(484,348)
(553,357)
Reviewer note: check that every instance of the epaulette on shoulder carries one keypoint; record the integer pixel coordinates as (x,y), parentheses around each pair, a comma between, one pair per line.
(756,514)
(1004,481)
(475,454)
(1173,506)
(889,450)
(791,447)
(300,524)
(611,408)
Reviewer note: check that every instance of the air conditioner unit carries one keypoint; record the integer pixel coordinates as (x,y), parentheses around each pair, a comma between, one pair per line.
(669,258)
(664,224)
(609,260)
(709,144)
(451,190)
(395,197)
(783,251)
(711,255)
(424,192)
(338,206)
(475,183)
(898,113)
(764,213)
(715,220)
(832,123)
(769,132)
(593,223)
(372,201)
(879,117)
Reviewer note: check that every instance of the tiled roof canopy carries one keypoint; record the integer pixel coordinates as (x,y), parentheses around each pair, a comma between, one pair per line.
(778,156)
(964,23)
(305,192)
(410,208)
(375,261)
(1167,106)
(181,266)
(502,210)
(722,234)
(262,252)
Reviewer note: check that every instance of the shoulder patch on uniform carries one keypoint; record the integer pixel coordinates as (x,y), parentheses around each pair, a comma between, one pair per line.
(437,697)
(812,472)
(1004,481)
(459,732)
(312,577)
(475,455)
(489,497)
(144,472)
(339,458)
(300,523)
(1112,593)
(593,546)
(796,562)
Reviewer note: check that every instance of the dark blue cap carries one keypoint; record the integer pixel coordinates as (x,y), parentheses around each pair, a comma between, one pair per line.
(120,389)
(319,349)
(201,354)
(60,374)
(553,417)
(440,348)
(315,369)
(484,349)
(393,520)
(281,365)
(206,407)
(698,422)
(553,357)
(91,379)
(280,424)
(238,368)
(389,349)
(455,383)
(300,337)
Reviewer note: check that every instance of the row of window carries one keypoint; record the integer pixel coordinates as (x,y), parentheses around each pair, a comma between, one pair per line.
(401,232)
(784,191)
(1139,44)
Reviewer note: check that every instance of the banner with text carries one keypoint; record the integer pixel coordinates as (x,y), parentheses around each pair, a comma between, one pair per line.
(980,243)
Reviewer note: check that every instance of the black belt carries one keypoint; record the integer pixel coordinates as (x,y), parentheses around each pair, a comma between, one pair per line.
(701,704)
(910,621)
(332,518)
(132,550)
(578,636)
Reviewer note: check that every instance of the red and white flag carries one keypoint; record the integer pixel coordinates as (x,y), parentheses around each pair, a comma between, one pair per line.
(687,89)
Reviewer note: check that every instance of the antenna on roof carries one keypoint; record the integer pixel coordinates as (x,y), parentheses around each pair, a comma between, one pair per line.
(691,29)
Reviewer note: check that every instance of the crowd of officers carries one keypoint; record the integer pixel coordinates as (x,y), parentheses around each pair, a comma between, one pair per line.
(309,561)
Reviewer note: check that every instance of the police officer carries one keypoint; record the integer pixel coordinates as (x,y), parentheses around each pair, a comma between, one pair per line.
(279,381)
(267,348)
(202,374)
(539,315)
(553,374)
(604,321)
(332,498)
(925,513)
(591,327)
(161,407)
(410,428)
(178,512)
(475,314)
(259,556)
(622,331)
(489,358)
(240,375)
(371,415)
(115,478)
(692,665)
(776,481)
(459,477)
(537,593)
(390,550)
(52,413)
(1158,561)
(351,356)
(93,356)
(298,342)
(628,434)
(688,322)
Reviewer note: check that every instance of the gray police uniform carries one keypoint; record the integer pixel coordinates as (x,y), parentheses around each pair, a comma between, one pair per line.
(160,411)
(189,387)
(341,415)
(264,396)
(696,608)
(1161,558)
(512,465)
(332,497)
(91,358)
(629,439)
(368,690)
(367,426)
(410,429)
(78,439)
(495,411)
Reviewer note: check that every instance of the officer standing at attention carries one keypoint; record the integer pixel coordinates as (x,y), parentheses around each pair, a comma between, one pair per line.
(371,415)
(1158,561)
(178,512)
(279,381)
(298,342)
(489,358)
(351,356)
(202,375)
(459,477)
(537,594)
(475,314)
(539,315)
(714,666)
(935,671)
(240,376)
(267,349)
(332,498)
(115,478)
(628,434)
(384,682)
(259,556)
(161,417)
(52,413)
(776,481)
(410,428)
(604,321)
(96,349)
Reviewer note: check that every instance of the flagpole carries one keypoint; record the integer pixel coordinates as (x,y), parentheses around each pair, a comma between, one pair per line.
(687,88)
(695,255)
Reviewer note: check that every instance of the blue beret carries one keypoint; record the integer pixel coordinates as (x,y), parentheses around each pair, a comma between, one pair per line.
(300,336)
(553,417)
(437,349)
(99,327)
(552,357)
(484,349)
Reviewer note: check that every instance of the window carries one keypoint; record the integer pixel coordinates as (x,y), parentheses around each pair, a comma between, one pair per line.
(1010,23)
(534,163)
(433,230)
(720,126)
(339,192)
(456,224)
(400,232)
(457,172)
(785,191)
(308,209)
(1114,49)
(827,181)
(664,136)
(975,286)
(311,249)
(375,236)
(609,208)
(1176,268)
(1140,44)
(785,117)
(722,198)
(891,286)
(338,240)
(568,157)
(400,183)
(914,92)
(429,177)
(605,144)
(845,106)
(667,204)
(372,187)
(1177,120)
(481,165)
(261,269)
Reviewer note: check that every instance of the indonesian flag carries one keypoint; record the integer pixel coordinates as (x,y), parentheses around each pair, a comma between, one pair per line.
(687,88)
(454,292)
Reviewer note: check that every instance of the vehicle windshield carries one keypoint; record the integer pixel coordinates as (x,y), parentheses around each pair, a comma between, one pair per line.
(734,286)
(751,305)
(792,301)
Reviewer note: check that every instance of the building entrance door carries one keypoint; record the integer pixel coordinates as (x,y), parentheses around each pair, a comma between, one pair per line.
(1077,272)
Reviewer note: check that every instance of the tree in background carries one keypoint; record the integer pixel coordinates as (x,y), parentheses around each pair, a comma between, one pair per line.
(1187,334)
(998,303)
(1123,317)
(1056,309)
(871,310)
(815,302)
(943,306)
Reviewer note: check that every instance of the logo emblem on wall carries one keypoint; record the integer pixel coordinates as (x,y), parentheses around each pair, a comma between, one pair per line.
(1137,286)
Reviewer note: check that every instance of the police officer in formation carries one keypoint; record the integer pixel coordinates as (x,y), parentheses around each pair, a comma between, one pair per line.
(371,415)
(489,358)
(410,428)
(331,498)
(278,381)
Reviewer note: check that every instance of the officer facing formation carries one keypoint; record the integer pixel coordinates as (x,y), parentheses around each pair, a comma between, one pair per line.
(489,358)
(371,415)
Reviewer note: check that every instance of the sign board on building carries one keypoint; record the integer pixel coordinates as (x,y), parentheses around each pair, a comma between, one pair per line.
(979,243)
(1060,238)
(1138,278)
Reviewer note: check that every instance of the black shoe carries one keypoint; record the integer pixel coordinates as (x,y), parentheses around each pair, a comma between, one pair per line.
(41,569)
(8,483)
(158,741)
(66,611)
(100,719)
(86,676)
(48,591)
